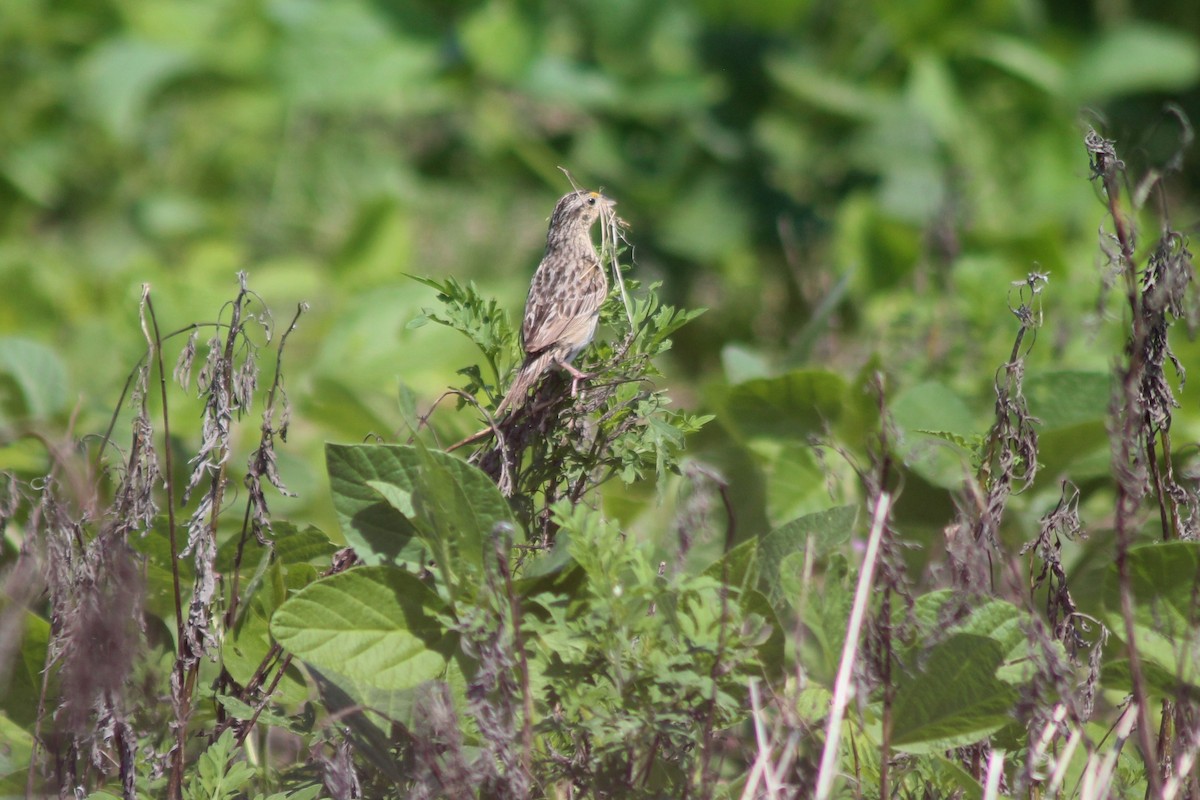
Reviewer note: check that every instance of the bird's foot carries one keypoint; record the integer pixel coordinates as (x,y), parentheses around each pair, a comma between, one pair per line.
(577,377)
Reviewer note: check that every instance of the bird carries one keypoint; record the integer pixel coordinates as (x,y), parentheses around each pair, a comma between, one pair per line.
(562,308)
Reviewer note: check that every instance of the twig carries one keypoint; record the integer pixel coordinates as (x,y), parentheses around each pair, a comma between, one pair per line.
(841,686)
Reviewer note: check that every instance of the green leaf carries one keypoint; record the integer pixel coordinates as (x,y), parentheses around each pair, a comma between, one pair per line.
(457,509)
(792,406)
(1022,59)
(952,697)
(828,530)
(998,620)
(121,76)
(497,40)
(1067,398)
(797,480)
(246,712)
(1137,58)
(19,700)
(33,380)
(931,418)
(246,646)
(738,567)
(387,496)
(378,532)
(1118,675)
(294,546)
(16,746)
(1166,623)
(825,610)
(949,776)
(375,628)
(344,57)
(995,619)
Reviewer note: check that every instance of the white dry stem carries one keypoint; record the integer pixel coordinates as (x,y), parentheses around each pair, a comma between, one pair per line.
(1183,771)
(841,687)
(762,762)
(1097,774)
(1064,761)
(1048,731)
(610,234)
(995,769)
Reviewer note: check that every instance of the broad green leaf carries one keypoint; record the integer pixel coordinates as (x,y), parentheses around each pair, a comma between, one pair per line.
(826,91)
(950,776)
(1118,675)
(376,628)
(387,496)
(1136,58)
(952,696)
(1068,398)
(1072,407)
(378,532)
(19,700)
(16,746)
(738,567)
(995,619)
(1165,611)
(797,481)
(825,612)
(457,509)
(121,76)
(827,529)
(342,57)
(1024,59)
(33,380)
(245,647)
(922,413)
(998,620)
(793,406)
(294,546)
(771,651)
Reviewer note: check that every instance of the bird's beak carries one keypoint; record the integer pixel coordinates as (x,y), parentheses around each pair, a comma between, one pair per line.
(608,201)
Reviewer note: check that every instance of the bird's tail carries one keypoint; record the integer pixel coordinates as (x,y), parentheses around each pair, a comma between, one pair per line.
(527,376)
(518,392)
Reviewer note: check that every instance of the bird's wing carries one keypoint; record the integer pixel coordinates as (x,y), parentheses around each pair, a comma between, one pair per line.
(560,300)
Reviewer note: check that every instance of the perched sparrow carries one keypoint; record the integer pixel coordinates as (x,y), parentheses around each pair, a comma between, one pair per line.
(564,300)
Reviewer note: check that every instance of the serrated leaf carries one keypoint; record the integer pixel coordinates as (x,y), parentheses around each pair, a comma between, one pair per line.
(952,697)
(378,532)
(828,530)
(1163,578)
(392,498)
(376,628)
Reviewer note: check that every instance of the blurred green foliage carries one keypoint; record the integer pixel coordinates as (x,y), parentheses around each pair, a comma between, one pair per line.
(850,188)
(836,182)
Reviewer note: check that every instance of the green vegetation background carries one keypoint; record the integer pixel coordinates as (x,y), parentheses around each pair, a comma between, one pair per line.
(841,184)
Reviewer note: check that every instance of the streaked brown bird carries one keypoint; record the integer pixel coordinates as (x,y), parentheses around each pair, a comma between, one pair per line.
(563,305)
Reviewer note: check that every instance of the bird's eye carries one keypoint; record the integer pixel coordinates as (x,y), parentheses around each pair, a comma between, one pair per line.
(591,201)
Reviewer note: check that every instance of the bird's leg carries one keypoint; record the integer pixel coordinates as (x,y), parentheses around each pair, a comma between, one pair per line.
(577,377)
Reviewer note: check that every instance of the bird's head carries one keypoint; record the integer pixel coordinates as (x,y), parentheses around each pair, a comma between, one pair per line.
(576,212)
